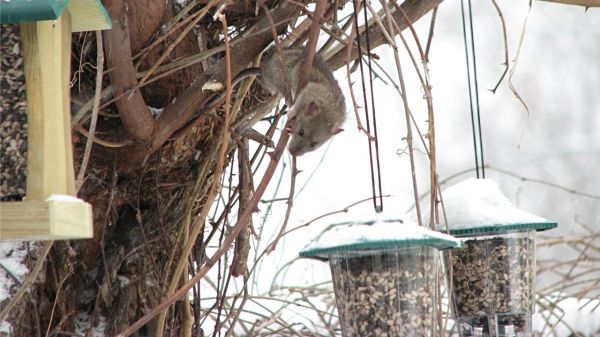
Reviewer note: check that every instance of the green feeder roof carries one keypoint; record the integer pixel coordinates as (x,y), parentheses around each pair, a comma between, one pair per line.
(382,235)
(86,15)
(491,229)
(14,11)
(476,207)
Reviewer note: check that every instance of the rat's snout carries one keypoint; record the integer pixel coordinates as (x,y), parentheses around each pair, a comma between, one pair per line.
(295,149)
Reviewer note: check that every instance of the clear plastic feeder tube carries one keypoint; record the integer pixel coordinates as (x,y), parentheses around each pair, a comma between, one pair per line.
(386,293)
(492,285)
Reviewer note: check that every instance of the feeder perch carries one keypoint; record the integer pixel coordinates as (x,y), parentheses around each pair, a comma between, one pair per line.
(384,276)
(46,28)
(493,276)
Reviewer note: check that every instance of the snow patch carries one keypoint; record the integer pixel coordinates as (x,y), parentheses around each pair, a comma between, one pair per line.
(479,202)
(12,255)
(376,230)
(5,328)
(63,197)
(566,313)
(156,111)
(83,323)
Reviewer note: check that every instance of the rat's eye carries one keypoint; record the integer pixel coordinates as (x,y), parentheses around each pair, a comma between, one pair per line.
(313,144)
(301,132)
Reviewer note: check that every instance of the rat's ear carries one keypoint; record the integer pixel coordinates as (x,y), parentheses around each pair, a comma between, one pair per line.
(312,110)
(335,131)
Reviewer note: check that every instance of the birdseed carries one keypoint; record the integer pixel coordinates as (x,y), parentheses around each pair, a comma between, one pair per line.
(13,115)
(392,294)
(493,283)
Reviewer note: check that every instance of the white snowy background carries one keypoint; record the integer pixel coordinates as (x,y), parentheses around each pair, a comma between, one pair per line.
(558,141)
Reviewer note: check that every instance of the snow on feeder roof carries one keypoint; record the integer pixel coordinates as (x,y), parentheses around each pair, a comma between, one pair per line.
(493,275)
(478,207)
(384,275)
(381,235)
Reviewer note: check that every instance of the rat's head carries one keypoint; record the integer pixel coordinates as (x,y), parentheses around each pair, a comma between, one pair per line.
(310,129)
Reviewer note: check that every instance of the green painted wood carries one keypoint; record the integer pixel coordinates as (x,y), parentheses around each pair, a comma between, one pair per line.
(86,15)
(15,11)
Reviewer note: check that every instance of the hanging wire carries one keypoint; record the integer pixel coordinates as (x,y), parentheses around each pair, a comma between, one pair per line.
(476,91)
(378,207)
(476,130)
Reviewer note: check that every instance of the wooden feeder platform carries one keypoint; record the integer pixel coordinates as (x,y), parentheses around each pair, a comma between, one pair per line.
(50,210)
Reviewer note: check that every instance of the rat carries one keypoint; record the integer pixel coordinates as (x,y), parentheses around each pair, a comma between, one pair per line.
(318,111)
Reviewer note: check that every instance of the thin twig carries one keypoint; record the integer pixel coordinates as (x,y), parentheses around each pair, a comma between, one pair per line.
(355,106)
(183,34)
(542,182)
(430,36)
(98,90)
(516,62)
(311,45)
(57,296)
(101,141)
(504,38)
(288,211)
(407,114)
(227,241)
(239,265)
(424,79)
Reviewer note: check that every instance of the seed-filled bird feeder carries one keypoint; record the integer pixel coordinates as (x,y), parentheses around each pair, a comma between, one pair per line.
(493,276)
(384,276)
(49,210)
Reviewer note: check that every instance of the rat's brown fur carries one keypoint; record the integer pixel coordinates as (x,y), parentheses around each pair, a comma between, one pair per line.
(319,110)
(311,125)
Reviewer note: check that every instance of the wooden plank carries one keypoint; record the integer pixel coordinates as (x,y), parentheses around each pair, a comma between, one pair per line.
(66,103)
(88,15)
(46,47)
(45,220)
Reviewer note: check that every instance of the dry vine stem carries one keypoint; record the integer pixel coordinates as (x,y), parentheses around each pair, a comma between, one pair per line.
(181,270)
(88,144)
(244,219)
(315,28)
(227,241)
(174,44)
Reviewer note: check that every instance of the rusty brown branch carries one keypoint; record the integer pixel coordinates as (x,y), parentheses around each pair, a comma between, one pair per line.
(135,115)
(415,9)
(239,266)
(583,3)
(311,45)
(177,114)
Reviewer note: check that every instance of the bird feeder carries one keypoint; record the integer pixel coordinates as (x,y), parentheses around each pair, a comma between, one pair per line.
(492,279)
(50,210)
(384,276)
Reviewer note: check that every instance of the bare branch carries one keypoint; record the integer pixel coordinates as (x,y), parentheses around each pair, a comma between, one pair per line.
(135,115)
